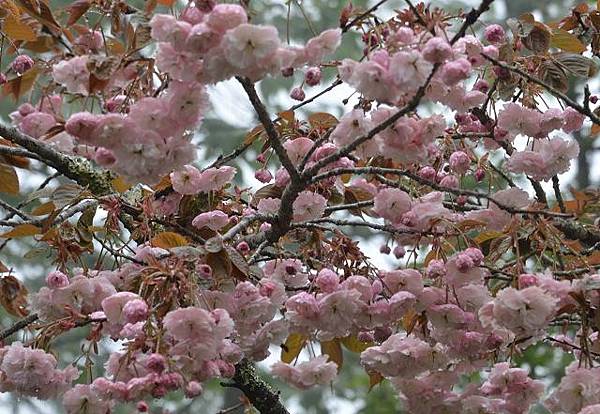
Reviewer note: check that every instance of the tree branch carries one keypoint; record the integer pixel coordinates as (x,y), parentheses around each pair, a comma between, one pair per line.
(272,134)
(17,326)
(77,169)
(262,396)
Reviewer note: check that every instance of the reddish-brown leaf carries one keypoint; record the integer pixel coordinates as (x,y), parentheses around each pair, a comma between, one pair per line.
(16,29)
(9,180)
(168,239)
(22,230)
(13,296)
(374,379)
(292,347)
(21,84)
(77,9)
(333,350)
(43,209)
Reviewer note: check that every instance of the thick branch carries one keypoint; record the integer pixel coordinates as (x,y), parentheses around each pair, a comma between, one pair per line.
(17,326)
(575,231)
(77,169)
(262,396)
(272,134)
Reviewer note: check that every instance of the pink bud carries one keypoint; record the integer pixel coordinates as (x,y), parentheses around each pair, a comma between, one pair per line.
(243,247)
(450,181)
(461,200)
(327,280)
(142,406)
(114,104)
(22,64)
(435,269)
(282,178)
(57,279)
(377,287)
(3,79)
(365,336)
(205,271)
(297,94)
(156,363)
(312,76)
(479,174)
(385,249)
(104,157)
(482,86)
(261,158)
(428,173)
(264,176)
(494,33)
(459,162)
(527,280)
(287,72)
(205,6)
(193,389)
(135,311)
(399,252)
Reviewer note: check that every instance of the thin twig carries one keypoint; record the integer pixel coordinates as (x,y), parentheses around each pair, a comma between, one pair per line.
(17,326)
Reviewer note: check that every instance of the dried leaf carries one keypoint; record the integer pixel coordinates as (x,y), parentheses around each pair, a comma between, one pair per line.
(553,75)
(42,13)
(333,350)
(77,9)
(10,7)
(566,41)
(221,269)
(167,3)
(374,379)
(322,120)
(9,180)
(481,238)
(538,40)
(43,43)
(353,344)
(13,296)
(288,116)
(16,29)
(253,135)
(466,225)
(43,209)
(22,230)
(240,269)
(268,191)
(168,239)
(120,184)
(575,64)
(595,18)
(292,347)
(3,269)
(21,84)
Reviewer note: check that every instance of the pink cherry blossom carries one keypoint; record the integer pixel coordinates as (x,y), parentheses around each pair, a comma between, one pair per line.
(308,206)
(548,158)
(73,74)
(455,71)
(437,50)
(57,279)
(186,181)
(33,372)
(22,63)
(214,220)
